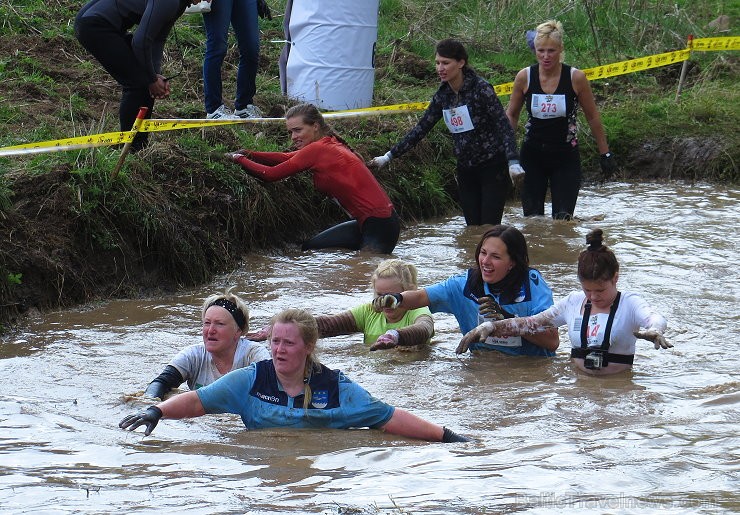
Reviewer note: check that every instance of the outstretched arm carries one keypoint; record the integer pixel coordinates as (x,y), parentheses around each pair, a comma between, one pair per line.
(418,333)
(334,325)
(186,405)
(169,378)
(538,326)
(404,423)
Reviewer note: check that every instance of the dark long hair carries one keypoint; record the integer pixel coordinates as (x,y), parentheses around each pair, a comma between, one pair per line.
(453,49)
(516,247)
(597,262)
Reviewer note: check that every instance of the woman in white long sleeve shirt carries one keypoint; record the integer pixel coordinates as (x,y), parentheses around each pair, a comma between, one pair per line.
(603,323)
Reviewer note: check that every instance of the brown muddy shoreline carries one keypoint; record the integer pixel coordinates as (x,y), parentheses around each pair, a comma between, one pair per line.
(182,229)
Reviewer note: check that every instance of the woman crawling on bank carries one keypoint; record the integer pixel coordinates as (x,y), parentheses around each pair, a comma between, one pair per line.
(293,389)
(603,323)
(337,172)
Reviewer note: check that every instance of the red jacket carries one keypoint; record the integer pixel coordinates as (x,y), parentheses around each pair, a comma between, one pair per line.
(337,172)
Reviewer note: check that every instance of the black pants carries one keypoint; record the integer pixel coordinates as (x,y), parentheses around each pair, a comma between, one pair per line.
(560,168)
(112,48)
(483,190)
(376,235)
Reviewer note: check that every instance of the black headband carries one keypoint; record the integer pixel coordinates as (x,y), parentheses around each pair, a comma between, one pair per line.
(232,308)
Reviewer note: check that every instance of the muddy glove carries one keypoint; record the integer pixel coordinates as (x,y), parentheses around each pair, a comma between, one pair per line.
(478,334)
(516,172)
(150,417)
(653,335)
(263,10)
(388,340)
(260,335)
(381,161)
(608,165)
(387,301)
(449,436)
(491,309)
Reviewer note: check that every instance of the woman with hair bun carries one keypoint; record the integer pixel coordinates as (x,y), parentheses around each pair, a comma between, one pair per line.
(552,91)
(225,320)
(603,323)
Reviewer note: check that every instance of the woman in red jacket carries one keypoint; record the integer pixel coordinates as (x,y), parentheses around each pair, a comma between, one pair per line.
(337,172)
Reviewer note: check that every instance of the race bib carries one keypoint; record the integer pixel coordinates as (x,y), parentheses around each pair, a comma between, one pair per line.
(458,119)
(509,341)
(595,329)
(548,106)
(503,341)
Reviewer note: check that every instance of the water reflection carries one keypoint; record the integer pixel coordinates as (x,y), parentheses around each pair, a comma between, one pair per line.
(548,439)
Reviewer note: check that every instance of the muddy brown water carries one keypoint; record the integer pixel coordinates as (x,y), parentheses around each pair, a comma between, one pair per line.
(548,440)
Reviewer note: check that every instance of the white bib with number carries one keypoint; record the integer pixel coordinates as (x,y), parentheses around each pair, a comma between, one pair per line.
(509,341)
(595,329)
(458,119)
(546,106)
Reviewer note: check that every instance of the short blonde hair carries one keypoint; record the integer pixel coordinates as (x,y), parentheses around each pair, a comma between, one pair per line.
(551,30)
(227,295)
(403,272)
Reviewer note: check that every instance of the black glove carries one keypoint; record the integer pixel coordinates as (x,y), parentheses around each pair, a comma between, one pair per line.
(263,10)
(491,310)
(449,436)
(608,165)
(150,417)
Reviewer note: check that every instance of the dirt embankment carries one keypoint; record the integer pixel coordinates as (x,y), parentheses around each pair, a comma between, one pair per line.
(69,235)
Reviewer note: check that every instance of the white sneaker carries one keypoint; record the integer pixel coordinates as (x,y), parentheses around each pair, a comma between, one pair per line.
(222,113)
(251,111)
(200,7)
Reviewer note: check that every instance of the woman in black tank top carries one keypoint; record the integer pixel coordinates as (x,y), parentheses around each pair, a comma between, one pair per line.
(552,92)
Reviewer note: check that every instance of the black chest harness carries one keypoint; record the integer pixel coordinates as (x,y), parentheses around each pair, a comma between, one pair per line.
(601,357)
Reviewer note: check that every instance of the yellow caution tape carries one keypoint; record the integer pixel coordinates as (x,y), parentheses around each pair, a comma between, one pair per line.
(709,44)
(599,72)
(80,142)
(636,65)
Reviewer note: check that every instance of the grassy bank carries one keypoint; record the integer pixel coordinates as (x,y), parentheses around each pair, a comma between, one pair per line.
(178,213)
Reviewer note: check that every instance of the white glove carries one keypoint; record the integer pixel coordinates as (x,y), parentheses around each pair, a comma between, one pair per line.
(387,301)
(387,340)
(655,336)
(477,334)
(381,161)
(516,172)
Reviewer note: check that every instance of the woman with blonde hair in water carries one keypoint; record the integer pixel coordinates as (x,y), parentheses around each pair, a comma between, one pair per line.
(266,394)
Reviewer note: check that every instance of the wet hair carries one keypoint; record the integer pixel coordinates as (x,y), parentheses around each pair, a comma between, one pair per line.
(516,247)
(309,332)
(452,49)
(310,114)
(597,262)
(231,303)
(551,30)
(397,269)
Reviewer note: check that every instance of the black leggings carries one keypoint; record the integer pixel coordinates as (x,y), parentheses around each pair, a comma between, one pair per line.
(561,168)
(483,190)
(376,235)
(112,48)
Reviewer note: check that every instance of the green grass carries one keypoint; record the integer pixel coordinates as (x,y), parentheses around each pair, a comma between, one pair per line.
(179,213)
